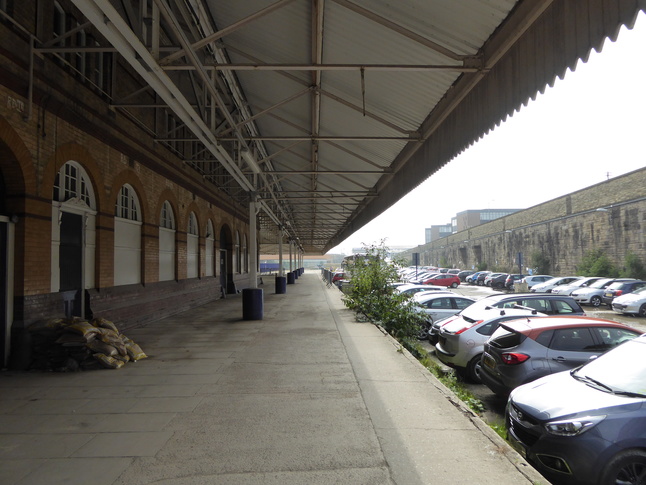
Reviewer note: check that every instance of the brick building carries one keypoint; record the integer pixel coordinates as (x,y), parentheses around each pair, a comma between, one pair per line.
(92,200)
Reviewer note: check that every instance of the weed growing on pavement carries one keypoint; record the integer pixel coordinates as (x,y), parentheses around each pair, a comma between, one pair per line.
(500,429)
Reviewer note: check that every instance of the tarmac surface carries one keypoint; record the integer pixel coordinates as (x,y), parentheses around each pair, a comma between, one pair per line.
(305,395)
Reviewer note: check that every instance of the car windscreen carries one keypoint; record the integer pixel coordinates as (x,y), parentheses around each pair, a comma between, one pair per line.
(602,283)
(622,369)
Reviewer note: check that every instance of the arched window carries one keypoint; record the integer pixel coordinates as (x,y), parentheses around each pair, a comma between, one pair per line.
(192,247)
(74,229)
(166,243)
(209,263)
(127,237)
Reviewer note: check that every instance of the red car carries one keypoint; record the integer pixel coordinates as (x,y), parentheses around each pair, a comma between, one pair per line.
(443,279)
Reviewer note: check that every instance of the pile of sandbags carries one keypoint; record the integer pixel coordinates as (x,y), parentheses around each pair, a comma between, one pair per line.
(64,345)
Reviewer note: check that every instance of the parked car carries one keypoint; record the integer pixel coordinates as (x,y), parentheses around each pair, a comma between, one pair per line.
(592,294)
(541,302)
(549,285)
(524,350)
(443,279)
(575,285)
(463,274)
(489,277)
(633,303)
(498,281)
(462,338)
(481,277)
(470,278)
(585,426)
(532,280)
(438,306)
(411,289)
(619,288)
(454,271)
(511,279)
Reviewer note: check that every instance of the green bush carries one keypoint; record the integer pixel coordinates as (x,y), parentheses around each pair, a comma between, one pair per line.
(540,262)
(596,263)
(372,297)
(634,268)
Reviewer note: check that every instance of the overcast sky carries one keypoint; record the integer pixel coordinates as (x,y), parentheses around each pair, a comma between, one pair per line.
(588,127)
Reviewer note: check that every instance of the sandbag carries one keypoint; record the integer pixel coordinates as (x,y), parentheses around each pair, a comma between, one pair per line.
(109,362)
(83,328)
(104,323)
(134,351)
(102,348)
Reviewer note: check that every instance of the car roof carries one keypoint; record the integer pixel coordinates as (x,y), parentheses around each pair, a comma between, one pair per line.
(423,295)
(492,312)
(532,327)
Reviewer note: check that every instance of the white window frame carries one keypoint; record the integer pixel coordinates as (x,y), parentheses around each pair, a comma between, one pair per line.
(192,247)
(127,237)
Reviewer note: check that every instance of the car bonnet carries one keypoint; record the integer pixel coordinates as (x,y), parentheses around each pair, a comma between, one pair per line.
(559,395)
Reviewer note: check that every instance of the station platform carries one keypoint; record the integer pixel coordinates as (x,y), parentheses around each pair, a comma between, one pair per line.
(304,396)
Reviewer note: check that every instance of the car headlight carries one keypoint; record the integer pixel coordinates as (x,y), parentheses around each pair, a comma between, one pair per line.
(573,427)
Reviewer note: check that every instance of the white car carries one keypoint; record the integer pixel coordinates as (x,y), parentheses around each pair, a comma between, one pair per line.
(576,285)
(535,279)
(462,338)
(549,285)
(631,303)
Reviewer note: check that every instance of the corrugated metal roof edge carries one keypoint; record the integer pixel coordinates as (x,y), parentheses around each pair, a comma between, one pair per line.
(570,36)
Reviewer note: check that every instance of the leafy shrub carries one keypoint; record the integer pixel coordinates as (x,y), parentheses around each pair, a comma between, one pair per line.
(372,297)
(596,263)
(634,268)
(541,262)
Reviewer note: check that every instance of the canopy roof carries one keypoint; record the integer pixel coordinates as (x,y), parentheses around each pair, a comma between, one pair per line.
(330,111)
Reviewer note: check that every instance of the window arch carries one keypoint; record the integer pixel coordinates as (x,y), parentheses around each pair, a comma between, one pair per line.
(166,242)
(72,182)
(192,247)
(209,250)
(127,237)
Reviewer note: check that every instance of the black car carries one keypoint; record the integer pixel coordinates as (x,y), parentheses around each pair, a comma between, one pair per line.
(511,279)
(499,280)
(620,288)
(463,274)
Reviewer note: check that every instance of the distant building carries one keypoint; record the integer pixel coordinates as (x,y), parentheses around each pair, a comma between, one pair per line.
(436,232)
(471,218)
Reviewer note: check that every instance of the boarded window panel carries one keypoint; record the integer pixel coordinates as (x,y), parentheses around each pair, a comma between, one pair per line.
(166,254)
(127,252)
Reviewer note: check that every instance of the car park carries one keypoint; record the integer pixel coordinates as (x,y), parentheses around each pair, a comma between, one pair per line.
(619,288)
(632,303)
(532,280)
(592,295)
(438,306)
(541,302)
(462,337)
(575,285)
(524,350)
(549,285)
(585,426)
(443,279)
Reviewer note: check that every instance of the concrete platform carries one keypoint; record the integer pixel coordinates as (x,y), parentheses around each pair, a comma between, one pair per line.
(306,395)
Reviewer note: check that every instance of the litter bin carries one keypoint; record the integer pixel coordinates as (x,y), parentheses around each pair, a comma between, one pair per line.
(281,285)
(252,304)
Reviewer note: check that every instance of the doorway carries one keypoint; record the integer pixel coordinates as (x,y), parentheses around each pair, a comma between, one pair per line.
(71,259)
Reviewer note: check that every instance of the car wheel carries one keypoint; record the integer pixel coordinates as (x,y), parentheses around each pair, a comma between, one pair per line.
(474,369)
(595,301)
(628,467)
(454,285)
(642,310)
(422,330)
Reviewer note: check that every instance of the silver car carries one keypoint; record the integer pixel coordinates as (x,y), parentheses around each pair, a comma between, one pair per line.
(438,306)
(461,341)
(593,294)
(576,285)
(632,303)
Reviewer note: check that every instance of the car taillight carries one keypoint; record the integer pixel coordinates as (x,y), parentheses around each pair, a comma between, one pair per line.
(617,292)
(513,358)
(468,327)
